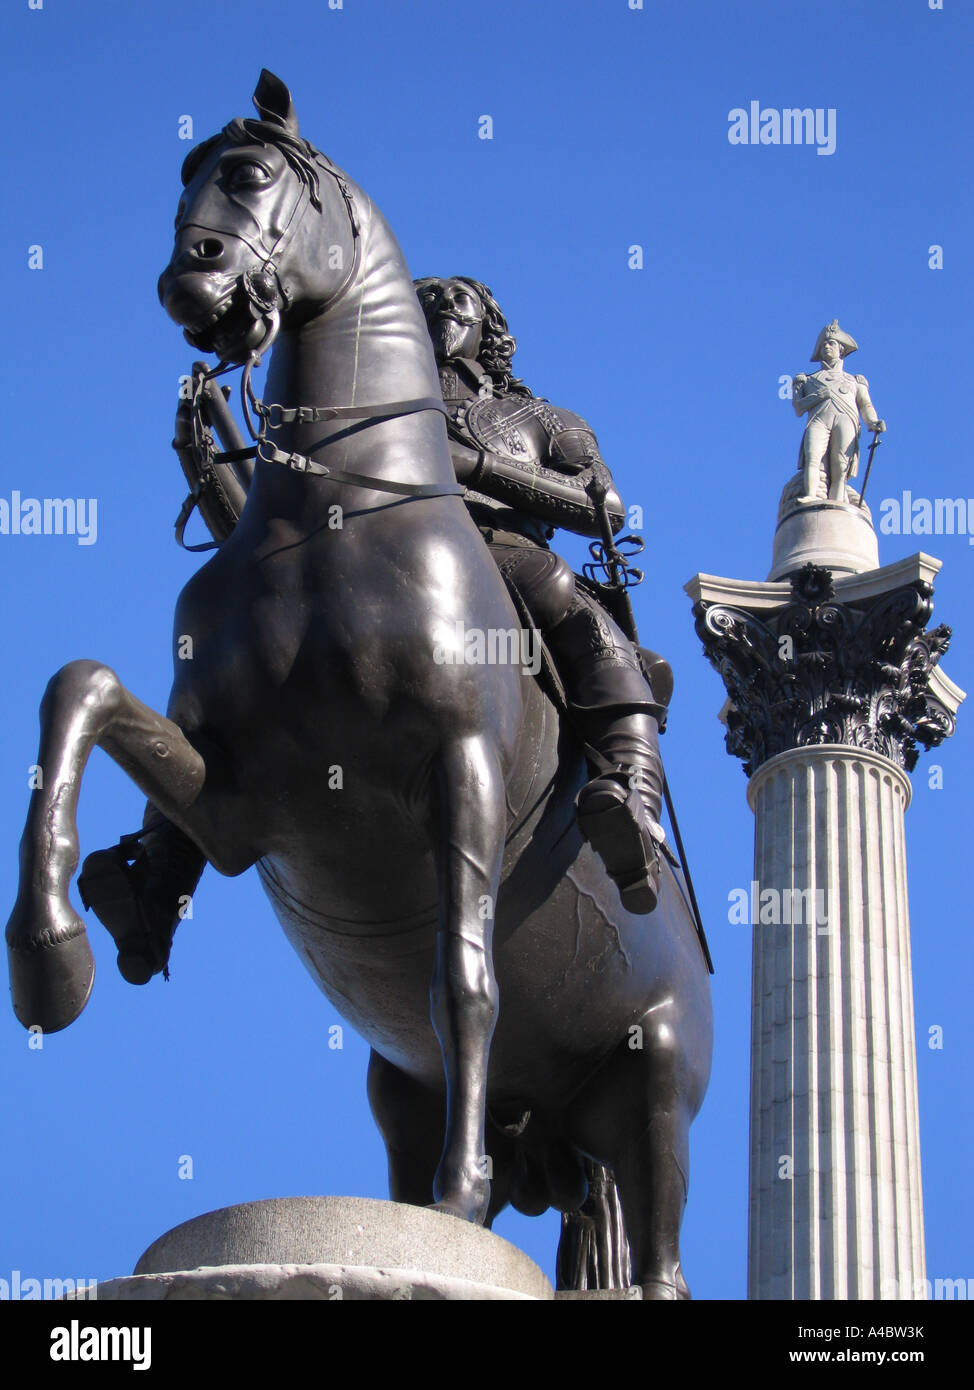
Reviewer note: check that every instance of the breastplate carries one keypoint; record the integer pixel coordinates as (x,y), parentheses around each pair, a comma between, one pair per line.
(517,428)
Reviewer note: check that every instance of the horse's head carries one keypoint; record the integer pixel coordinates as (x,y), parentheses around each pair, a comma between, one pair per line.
(264,232)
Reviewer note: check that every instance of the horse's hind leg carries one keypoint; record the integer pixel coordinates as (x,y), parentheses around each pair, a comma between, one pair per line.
(652,1175)
(635,1116)
(51,967)
(410,1118)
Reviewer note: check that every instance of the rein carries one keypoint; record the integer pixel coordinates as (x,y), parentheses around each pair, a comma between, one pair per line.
(272,417)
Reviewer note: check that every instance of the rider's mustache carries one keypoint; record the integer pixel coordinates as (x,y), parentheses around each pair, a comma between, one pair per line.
(469,320)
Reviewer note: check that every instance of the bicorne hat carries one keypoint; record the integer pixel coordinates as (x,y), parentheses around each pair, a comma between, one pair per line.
(832,330)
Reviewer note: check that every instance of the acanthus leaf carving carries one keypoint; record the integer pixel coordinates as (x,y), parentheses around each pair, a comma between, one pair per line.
(858,675)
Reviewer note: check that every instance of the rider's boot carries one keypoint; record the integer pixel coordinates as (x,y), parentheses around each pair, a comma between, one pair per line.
(618,810)
(616,710)
(139,890)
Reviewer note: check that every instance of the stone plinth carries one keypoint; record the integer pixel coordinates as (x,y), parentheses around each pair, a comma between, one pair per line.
(836,535)
(330,1248)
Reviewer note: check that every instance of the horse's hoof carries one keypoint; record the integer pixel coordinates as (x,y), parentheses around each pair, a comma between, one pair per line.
(467,1197)
(665,1290)
(51,982)
(474,1213)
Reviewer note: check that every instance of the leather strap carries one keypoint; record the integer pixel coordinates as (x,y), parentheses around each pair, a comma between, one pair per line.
(269,453)
(277,415)
(182,520)
(299,463)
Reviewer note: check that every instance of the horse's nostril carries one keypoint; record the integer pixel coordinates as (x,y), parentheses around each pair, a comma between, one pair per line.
(210,249)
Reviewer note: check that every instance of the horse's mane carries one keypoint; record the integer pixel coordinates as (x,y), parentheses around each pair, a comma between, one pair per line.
(300,154)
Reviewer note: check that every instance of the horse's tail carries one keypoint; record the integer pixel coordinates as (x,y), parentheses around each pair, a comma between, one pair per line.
(593,1251)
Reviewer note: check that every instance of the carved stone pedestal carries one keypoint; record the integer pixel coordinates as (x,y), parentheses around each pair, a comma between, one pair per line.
(830,534)
(330,1248)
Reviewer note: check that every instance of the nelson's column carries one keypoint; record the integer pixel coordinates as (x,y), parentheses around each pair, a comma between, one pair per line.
(832,679)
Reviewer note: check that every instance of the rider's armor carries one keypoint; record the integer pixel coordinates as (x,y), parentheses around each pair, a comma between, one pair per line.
(533,462)
(527,465)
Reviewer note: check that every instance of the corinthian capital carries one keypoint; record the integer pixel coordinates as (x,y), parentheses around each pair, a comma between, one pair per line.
(820,670)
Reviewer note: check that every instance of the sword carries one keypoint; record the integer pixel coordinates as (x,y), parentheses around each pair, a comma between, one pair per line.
(612,561)
(869,463)
(615,565)
(697,919)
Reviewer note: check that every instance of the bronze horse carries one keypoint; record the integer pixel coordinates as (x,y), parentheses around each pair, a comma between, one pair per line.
(447,869)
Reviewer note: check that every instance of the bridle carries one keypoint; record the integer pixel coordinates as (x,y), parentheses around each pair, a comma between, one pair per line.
(273,416)
(269,259)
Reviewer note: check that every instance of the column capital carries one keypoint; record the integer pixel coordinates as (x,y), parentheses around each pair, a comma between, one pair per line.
(825,669)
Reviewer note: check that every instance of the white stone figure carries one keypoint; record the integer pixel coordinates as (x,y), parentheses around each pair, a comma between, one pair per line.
(833,400)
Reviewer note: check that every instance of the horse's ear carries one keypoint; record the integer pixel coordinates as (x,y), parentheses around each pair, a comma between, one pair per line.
(273,102)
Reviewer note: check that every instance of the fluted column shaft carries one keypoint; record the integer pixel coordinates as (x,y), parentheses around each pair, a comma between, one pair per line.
(835,1196)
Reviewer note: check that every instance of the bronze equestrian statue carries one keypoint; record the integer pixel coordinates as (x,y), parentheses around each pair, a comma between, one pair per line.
(442,895)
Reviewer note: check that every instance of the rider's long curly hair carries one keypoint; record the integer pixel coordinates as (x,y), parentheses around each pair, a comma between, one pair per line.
(498,346)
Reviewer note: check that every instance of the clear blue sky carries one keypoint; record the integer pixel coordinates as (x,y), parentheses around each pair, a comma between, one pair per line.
(610,130)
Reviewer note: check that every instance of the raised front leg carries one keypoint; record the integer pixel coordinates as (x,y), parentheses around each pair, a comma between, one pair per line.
(469,847)
(51,966)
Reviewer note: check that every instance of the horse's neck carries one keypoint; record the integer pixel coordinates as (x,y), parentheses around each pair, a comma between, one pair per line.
(373,339)
(370,347)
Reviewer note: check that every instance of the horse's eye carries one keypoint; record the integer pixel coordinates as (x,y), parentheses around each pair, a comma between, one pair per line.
(248,174)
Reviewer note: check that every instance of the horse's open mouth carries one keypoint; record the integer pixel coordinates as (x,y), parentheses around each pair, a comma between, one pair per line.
(244,321)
